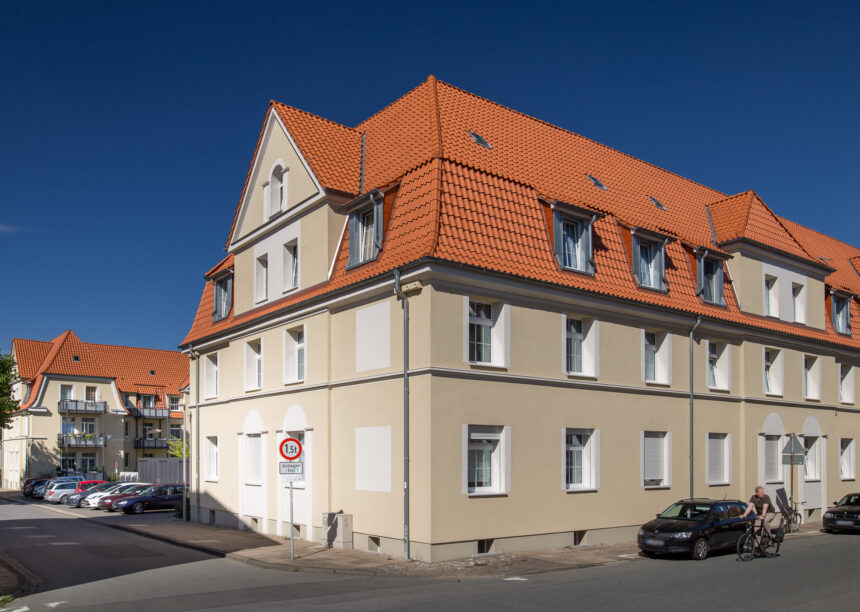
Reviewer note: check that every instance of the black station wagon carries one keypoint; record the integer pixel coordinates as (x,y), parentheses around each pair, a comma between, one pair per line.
(694,527)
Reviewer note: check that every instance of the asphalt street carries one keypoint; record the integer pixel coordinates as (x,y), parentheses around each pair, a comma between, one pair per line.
(84,565)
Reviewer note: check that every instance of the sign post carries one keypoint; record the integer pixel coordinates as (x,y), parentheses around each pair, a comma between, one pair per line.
(289,471)
(793,454)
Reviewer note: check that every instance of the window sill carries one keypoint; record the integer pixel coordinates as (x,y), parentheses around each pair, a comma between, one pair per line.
(288,383)
(491,366)
(773,394)
(812,480)
(581,490)
(577,270)
(253,484)
(719,484)
(211,480)
(655,383)
(718,304)
(290,289)
(811,399)
(719,390)
(358,264)
(847,478)
(209,397)
(657,289)
(259,301)
(487,494)
(847,403)
(774,482)
(656,487)
(252,389)
(581,376)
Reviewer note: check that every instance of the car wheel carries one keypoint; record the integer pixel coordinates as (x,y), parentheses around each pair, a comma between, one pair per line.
(138,508)
(700,550)
(63,499)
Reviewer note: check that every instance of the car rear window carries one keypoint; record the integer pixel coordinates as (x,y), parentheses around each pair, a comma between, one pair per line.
(688,511)
(735,510)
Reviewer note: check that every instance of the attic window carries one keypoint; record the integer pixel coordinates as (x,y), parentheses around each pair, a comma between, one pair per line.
(152,372)
(596,182)
(480,140)
(75,358)
(657,203)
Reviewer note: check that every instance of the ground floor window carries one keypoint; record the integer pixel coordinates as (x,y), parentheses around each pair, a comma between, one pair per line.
(211,457)
(772,458)
(485,464)
(88,462)
(812,471)
(69,463)
(254,467)
(125,462)
(580,458)
(719,451)
(847,459)
(656,458)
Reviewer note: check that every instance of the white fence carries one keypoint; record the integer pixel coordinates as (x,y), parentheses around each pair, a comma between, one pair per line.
(161,470)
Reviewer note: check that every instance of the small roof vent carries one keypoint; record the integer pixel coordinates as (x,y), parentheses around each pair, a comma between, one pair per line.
(480,140)
(75,358)
(657,203)
(596,182)
(152,372)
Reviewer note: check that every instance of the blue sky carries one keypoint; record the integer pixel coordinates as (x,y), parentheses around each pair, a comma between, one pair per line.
(127,128)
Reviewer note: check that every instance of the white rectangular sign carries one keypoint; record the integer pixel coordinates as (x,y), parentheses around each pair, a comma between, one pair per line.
(291,471)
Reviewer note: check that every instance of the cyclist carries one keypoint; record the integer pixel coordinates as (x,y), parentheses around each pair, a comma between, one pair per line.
(760,504)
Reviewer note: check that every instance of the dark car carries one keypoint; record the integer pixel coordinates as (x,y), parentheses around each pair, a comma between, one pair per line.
(694,527)
(158,497)
(106,502)
(844,515)
(31,483)
(75,499)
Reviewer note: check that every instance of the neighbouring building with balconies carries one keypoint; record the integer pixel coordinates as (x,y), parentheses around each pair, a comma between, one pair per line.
(90,409)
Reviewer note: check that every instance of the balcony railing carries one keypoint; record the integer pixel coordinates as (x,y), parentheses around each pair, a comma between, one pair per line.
(150,442)
(81,440)
(70,406)
(152,413)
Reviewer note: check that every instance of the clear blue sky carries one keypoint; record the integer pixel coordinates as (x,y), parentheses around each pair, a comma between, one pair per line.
(126,129)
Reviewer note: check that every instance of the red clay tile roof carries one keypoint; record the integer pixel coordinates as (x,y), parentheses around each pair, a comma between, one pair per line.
(29,355)
(834,253)
(224,264)
(130,367)
(483,207)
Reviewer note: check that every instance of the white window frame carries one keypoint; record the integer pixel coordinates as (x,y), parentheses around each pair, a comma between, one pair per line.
(589,346)
(261,278)
(846,383)
(222,290)
(211,377)
(498,437)
(295,354)
(212,458)
(713,283)
(841,317)
(812,464)
(811,376)
(253,460)
(173,402)
(662,357)
(590,454)
(95,393)
(723,365)
(847,458)
(779,441)
(798,302)
(291,265)
(275,190)
(254,365)
(652,264)
(666,480)
(71,392)
(773,385)
(726,440)
(771,296)
(499,323)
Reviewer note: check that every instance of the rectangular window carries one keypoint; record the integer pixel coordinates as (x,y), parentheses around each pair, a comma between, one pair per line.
(254,459)
(712,281)
(210,363)
(811,377)
(846,383)
(261,278)
(88,425)
(68,426)
(173,403)
(176,431)
(291,265)
(841,313)
(484,459)
(366,236)
(798,303)
(125,459)
(147,401)
(812,466)
(66,392)
(480,332)
(771,297)
(648,269)
(294,355)
(91,394)
(571,256)
(847,459)
(365,231)
(718,458)
(125,428)
(656,357)
(650,356)
(580,459)
(149,430)
(719,357)
(88,462)
(69,463)
(772,459)
(223,296)
(572,237)
(253,365)
(772,371)
(575,338)
(655,458)
(211,457)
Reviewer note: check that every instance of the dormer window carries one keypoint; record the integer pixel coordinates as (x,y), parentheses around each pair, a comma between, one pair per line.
(710,273)
(841,312)
(223,288)
(572,232)
(276,191)
(649,262)
(365,231)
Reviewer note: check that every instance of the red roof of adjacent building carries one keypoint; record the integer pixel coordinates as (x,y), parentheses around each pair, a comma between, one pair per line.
(453,199)
(134,369)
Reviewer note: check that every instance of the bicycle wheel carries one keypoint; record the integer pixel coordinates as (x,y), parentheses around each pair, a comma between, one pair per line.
(796,522)
(770,548)
(746,547)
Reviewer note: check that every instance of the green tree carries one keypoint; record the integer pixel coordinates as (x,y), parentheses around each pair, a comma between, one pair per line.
(176,448)
(8,373)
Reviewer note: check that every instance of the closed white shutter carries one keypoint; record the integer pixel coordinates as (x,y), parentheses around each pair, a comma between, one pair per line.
(254,475)
(654,455)
(771,458)
(716,457)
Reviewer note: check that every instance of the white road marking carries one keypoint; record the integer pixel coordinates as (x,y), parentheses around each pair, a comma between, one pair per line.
(16,528)
(629,556)
(21,609)
(54,604)
(64,543)
(516,578)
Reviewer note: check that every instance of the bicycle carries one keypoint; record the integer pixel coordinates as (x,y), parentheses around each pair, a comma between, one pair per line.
(760,540)
(792,518)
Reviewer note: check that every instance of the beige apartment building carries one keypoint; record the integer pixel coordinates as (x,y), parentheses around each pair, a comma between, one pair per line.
(570,338)
(90,409)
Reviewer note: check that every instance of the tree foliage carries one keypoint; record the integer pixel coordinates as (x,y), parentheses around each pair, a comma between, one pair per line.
(8,374)
(177,448)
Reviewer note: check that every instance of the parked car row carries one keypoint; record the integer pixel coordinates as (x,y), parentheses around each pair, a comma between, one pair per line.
(698,526)
(129,497)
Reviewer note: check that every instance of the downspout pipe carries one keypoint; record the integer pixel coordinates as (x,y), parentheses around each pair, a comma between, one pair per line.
(692,402)
(196,358)
(404,301)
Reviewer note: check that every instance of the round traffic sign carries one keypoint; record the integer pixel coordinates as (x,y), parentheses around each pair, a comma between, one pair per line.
(290,449)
